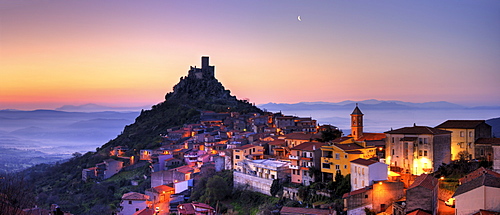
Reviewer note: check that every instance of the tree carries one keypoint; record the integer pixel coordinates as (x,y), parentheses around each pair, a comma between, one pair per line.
(329,134)
(15,194)
(217,189)
(463,155)
(276,187)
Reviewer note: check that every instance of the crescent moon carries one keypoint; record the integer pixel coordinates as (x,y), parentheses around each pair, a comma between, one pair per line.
(299,18)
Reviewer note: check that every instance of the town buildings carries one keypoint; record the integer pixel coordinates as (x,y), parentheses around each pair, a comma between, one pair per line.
(365,172)
(418,149)
(464,135)
(479,190)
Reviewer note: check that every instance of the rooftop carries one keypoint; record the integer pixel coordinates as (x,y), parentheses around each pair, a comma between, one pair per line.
(309,146)
(418,130)
(486,179)
(460,124)
(424,180)
(364,162)
(134,196)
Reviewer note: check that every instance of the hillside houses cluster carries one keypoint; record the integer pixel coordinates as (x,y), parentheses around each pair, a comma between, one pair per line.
(389,171)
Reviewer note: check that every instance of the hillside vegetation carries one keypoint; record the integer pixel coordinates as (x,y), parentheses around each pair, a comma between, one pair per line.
(61,183)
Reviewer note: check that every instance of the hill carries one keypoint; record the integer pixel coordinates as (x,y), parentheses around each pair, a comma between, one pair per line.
(61,183)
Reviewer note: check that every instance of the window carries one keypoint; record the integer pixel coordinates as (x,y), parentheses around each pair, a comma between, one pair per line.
(425,140)
(392,140)
(419,152)
(345,156)
(345,166)
(420,140)
(237,157)
(337,167)
(470,145)
(363,172)
(461,134)
(337,156)
(470,133)
(425,153)
(129,202)
(253,149)
(392,151)
(326,166)
(366,196)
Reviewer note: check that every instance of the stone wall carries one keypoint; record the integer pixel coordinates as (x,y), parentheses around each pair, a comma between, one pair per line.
(253,183)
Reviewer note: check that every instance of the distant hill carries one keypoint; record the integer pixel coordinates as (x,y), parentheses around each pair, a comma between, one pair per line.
(495,126)
(367,104)
(98,108)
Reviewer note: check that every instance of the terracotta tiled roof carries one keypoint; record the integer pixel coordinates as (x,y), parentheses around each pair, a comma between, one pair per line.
(134,196)
(184,169)
(350,146)
(364,162)
(308,146)
(492,141)
(476,173)
(341,139)
(193,208)
(277,142)
(302,136)
(295,210)
(485,212)
(145,211)
(371,136)
(418,130)
(460,124)
(161,188)
(486,179)
(247,146)
(424,180)
(358,191)
(418,212)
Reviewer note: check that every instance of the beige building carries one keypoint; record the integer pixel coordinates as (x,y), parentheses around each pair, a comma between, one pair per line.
(478,193)
(246,151)
(464,135)
(417,149)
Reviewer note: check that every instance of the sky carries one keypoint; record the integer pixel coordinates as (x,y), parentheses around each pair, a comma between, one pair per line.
(131,53)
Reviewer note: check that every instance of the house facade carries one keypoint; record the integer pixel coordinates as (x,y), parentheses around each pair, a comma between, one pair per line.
(464,135)
(304,157)
(133,202)
(423,194)
(364,172)
(417,149)
(240,153)
(336,157)
(480,191)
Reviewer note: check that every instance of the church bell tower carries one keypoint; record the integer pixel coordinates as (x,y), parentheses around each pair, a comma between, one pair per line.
(356,123)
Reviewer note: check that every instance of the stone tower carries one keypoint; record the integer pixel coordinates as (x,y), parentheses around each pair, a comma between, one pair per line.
(356,123)
(206,71)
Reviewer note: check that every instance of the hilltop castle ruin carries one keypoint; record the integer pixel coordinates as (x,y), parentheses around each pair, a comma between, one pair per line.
(205,71)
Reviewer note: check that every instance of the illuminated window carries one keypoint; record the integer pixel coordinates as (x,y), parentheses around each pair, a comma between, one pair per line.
(425,153)
(419,152)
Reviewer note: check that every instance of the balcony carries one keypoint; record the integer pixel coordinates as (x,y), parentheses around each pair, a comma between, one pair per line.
(293,157)
(293,167)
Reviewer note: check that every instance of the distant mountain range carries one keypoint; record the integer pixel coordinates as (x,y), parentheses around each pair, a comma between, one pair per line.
(99,108)
(368,104)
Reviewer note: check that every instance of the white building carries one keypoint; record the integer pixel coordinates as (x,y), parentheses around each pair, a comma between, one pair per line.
(132,202)
(364,172)
(258,175)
